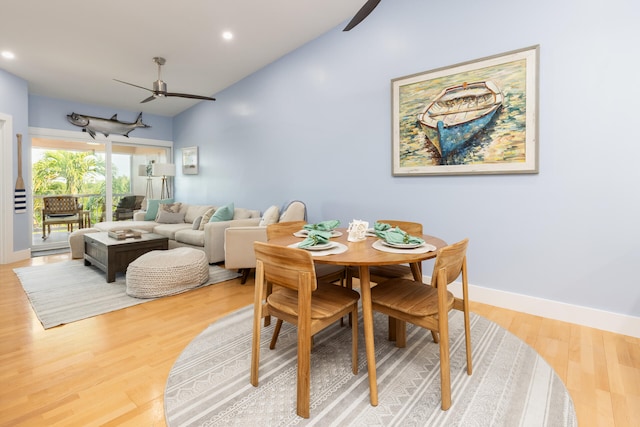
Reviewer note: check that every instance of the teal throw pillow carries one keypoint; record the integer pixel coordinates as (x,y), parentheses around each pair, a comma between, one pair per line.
(224,213)
(152,208)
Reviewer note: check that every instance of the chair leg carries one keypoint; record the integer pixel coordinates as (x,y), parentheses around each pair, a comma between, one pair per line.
(267,319)
(445,370)
(467,338)
(354,341)
(276,332)
(255,346)
(304,372)
(245,275)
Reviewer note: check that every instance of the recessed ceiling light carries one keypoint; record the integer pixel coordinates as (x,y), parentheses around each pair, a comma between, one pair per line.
(227,35)
(8,55)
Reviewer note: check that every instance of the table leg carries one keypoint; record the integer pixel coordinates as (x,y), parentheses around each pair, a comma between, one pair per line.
(367,314)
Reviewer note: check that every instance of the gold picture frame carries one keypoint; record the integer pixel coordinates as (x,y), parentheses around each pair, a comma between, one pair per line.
(476,117)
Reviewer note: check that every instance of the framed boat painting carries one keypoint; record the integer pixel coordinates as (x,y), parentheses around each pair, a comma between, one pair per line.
(477,117)
(190,161)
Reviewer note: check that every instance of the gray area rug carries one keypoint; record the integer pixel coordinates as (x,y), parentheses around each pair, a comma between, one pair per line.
(68,291)
(511,384)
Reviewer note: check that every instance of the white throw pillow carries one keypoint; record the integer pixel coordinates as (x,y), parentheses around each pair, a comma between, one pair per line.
(270,216)
(295,211)
(206,217)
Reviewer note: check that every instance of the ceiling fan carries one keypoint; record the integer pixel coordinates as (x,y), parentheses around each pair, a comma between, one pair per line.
(160,88)
(362,13)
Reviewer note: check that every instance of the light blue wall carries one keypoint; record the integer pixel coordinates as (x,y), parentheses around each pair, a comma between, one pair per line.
(14,103)
(316,126)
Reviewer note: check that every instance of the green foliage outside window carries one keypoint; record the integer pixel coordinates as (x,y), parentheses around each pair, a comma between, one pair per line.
(75,173)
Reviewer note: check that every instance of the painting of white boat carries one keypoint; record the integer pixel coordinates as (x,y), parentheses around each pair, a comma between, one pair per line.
(458,113)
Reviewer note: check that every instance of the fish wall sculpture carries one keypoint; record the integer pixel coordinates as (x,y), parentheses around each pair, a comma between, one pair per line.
(91,124)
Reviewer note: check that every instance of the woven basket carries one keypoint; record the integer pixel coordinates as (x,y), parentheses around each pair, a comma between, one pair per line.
(162,273)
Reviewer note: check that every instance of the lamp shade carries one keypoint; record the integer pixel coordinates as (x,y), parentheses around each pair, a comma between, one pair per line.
(164,169)
(142,170)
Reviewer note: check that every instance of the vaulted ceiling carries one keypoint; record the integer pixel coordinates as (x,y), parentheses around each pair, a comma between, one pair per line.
(73,49)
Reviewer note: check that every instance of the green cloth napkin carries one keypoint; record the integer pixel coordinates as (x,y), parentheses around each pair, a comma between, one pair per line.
(323,226)
(398,237)
(381,226)
(315,237)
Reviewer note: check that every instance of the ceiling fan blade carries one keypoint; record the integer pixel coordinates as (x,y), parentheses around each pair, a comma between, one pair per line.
(151,98)
(131,84)
(186,95)
(362,13)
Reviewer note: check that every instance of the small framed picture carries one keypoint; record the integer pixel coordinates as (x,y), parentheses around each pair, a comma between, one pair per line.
(190,161)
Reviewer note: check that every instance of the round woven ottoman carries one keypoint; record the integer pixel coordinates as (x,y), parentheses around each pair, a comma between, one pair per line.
(76,241)
(162,273)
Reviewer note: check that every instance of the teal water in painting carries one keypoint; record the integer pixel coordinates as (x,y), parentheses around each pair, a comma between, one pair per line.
(501,141)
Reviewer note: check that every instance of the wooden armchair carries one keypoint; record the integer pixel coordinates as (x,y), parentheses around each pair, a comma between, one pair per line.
(126,207)
(60,210)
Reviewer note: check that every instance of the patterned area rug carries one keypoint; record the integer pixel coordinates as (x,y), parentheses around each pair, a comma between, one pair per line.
(68,291)
(511,384)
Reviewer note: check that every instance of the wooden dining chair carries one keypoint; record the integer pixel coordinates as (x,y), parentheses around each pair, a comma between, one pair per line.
(429,306)
(301,300)
(324,272)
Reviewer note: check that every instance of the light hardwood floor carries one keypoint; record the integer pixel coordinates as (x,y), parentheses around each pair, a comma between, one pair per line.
(111,370)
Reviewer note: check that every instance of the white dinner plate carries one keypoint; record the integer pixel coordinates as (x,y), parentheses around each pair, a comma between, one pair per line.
(320,247)
(402,245)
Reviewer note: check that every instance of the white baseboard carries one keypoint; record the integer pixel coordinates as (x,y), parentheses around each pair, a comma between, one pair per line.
(586,316)
(18,256)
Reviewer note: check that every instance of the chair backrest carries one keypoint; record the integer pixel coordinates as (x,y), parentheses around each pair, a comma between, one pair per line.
(288,267)
(413,228)
(280,229)
(452,261)
(60,205)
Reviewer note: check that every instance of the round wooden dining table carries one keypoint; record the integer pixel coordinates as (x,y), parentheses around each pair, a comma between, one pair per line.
(363,255)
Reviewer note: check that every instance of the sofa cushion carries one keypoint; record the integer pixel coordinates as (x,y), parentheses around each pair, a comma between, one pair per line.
(206,217)
(223,213)
(169,230)
(165,217)
(190,237)
(270,216)
(191,212)
(152,208)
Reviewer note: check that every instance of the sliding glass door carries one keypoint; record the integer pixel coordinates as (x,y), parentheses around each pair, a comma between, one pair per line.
(109,179)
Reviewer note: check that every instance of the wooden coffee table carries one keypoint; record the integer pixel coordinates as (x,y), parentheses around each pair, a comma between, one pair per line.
(114,256)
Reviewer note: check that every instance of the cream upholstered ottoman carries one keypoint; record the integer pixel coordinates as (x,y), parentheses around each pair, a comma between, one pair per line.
(161,273)
(76,241)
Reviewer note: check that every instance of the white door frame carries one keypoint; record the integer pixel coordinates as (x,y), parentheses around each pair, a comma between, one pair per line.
(6,190)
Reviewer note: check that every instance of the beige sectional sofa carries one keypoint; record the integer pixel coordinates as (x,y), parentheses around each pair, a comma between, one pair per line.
(239,252)
(185,226)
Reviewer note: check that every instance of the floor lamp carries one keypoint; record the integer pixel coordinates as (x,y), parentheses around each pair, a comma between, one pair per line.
(143,170)
(164,170)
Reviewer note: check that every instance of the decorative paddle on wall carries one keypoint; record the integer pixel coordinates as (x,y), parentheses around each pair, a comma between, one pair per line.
(362,13)
(20,196)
